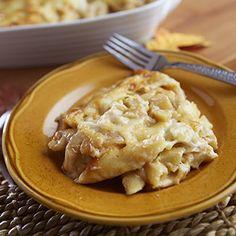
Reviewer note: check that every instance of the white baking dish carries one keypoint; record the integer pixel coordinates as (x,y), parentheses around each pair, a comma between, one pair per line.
(47,44)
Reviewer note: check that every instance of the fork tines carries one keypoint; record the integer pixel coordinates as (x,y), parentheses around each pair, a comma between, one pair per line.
(128,52)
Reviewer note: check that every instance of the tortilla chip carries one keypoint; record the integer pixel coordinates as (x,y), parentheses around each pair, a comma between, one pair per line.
(167,40)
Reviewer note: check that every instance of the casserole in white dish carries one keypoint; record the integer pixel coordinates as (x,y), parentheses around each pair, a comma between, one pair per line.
(58,43)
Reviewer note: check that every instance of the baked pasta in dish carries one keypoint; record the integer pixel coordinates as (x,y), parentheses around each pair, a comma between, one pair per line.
(21,12)
(142,128)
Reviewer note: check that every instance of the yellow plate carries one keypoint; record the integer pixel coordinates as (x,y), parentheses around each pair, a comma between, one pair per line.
(39,174)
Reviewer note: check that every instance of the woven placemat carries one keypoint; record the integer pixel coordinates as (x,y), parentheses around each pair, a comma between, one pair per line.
(21,215)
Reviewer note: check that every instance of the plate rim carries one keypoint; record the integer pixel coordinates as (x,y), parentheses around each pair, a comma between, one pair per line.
(95,218)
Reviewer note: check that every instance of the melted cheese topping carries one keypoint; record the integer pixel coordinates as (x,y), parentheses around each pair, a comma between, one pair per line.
(21,12)
(142,128)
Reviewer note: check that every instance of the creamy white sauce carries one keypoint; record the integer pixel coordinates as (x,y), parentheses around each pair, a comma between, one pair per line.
(49,125)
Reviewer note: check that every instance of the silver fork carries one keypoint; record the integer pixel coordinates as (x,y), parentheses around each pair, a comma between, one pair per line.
(135,56)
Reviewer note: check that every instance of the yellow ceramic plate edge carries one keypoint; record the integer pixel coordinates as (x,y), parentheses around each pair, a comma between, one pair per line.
(106,219)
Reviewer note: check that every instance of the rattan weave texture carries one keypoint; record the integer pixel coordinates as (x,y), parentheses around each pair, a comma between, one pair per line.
(21,215)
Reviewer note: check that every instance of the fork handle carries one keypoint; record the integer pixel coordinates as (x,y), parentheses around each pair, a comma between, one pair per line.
(218,74)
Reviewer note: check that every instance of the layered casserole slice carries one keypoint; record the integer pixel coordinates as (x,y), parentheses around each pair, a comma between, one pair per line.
(142,128)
